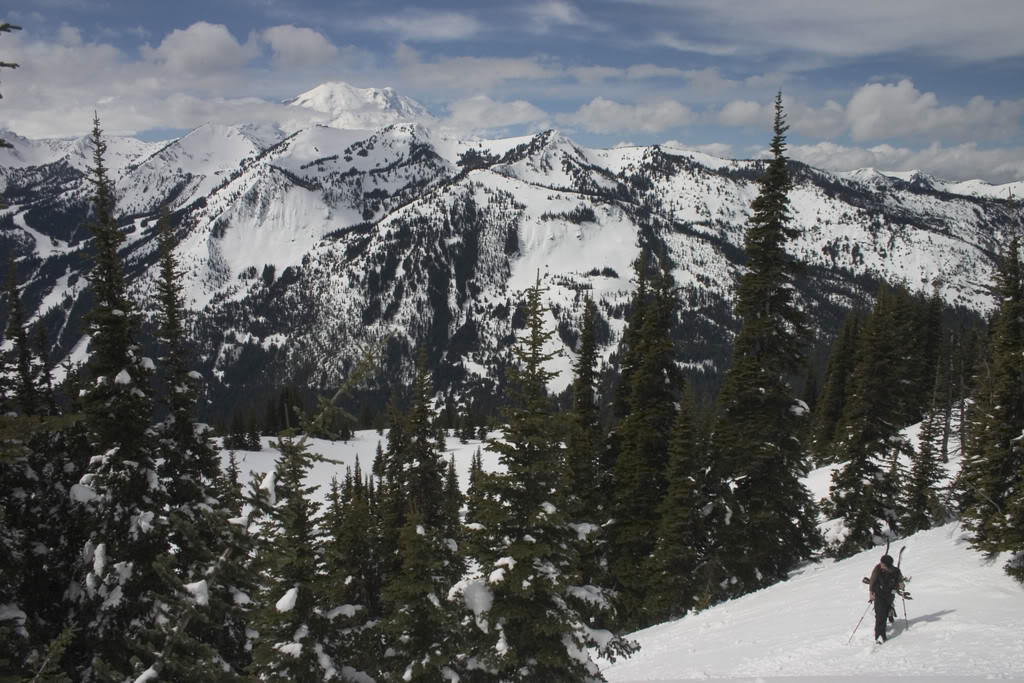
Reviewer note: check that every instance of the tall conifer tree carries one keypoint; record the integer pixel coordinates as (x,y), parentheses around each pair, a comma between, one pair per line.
(420,623)
(923,502)
(642,438)
(294,641)
(124,593)
(209,623)
(994,473)
(474,492)
(756,440)
(679,569)
(453,502)
(584,441)
(533,630)
(864,489)
(352,567)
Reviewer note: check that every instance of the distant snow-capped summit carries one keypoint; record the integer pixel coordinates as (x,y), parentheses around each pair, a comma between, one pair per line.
(921,180)
(362,108)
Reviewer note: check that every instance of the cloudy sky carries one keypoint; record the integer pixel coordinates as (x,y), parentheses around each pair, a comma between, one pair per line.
(896,84)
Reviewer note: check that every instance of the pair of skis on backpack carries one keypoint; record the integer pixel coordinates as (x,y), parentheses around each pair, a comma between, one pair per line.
(903,594)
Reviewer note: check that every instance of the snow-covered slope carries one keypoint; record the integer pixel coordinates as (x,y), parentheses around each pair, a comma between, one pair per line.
(77,152)
(963,623)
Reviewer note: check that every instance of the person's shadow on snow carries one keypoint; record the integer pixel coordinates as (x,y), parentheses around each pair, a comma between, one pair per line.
(901,624)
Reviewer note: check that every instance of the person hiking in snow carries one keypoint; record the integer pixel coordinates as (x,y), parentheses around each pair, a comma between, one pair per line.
(885,579)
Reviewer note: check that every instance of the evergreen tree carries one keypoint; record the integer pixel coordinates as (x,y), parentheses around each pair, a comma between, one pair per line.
(929,348)
(533,630)
(917,328)
(190,465)
(204,600)
(923,499)
(809,395)
(25,391)
(863,488)
(422,626)
(44,381)
(965,359)
(474,489)
(13,636)
(420,467)
(642,438)
(48,521)
(994,474)
(420,622)
(294,638)
(352,567)
(452,503)
(679,567)
(378,462)
(584,439)
(835,391)
(584,444)
(630,351)
(391,505)
(756,441)
(467,428)
(396,441)
(229,486)
(124,594)
(46,665)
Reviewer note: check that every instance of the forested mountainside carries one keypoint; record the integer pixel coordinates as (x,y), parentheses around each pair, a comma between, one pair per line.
(302,246)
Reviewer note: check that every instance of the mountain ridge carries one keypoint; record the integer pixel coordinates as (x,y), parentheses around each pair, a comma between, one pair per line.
(299,248)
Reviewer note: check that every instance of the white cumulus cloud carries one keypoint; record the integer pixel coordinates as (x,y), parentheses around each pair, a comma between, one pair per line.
(881,111)
(298,46)
(744,113)
(483,113)
(888,110)
(201,48)
(602,115)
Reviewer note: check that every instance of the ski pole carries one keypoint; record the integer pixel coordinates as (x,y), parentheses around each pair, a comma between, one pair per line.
(903,599)
(859,622)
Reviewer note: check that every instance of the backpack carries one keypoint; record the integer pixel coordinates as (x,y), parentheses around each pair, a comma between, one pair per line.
(888,580)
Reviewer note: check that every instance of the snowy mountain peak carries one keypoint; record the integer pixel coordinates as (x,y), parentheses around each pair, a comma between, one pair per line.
(363,108)
(863,174)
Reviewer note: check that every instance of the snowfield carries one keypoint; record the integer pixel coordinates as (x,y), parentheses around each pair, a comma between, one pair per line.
(964,622)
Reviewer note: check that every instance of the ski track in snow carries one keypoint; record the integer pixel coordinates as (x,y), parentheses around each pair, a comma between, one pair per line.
(965,617)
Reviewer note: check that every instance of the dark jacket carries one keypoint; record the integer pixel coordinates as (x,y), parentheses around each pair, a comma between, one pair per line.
(883,581)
